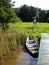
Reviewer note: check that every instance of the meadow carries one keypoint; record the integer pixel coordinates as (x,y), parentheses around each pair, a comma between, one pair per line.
(34,31)
(17,33)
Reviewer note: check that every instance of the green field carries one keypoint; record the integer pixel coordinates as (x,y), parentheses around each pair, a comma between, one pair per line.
(35,30)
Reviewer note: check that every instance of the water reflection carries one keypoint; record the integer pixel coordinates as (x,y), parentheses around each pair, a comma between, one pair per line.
(25,59)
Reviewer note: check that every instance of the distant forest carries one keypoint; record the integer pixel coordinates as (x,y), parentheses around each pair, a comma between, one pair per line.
(25,13)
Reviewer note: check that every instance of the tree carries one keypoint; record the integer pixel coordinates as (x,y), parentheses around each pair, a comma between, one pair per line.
(17,10)
(47,16)
(6,13)
(24,13)
(33,11)
(42,15)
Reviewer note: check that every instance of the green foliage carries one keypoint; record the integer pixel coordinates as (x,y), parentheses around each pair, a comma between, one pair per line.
(12,42)
(42,16)
(47,19)
(17,10)
(47,16)
(7,14)
(5,3)
(3,15)
(27,12)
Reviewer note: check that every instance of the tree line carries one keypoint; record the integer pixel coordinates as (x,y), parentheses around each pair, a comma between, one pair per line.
(27,12)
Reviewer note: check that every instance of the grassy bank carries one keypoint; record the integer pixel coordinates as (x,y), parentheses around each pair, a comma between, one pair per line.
(17,33)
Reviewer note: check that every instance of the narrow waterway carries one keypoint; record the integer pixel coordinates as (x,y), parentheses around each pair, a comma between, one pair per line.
(25,59)
(18,57)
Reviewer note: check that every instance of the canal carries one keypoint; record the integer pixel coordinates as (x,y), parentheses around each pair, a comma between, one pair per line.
(19,57)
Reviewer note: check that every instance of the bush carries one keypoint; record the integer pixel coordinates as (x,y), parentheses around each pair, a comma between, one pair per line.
(16,19)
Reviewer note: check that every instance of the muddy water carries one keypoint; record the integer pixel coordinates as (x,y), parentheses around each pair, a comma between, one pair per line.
(26,59)
(18,57)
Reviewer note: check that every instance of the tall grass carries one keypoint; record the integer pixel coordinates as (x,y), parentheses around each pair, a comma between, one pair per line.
(11,39)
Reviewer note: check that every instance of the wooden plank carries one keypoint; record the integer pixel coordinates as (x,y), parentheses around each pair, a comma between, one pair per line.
(44,50)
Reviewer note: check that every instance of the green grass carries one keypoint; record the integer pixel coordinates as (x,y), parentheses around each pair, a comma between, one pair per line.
(20,25)
(27,24)
(34,31)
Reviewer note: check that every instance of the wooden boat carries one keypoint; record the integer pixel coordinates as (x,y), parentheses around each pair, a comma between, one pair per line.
(32,47)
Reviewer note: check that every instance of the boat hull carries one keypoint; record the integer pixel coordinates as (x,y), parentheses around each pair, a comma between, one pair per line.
(35,55)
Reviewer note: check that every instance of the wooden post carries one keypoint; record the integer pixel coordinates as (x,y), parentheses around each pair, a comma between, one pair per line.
(34,21)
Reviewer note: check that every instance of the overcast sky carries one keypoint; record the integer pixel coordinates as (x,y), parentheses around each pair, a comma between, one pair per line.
(43,4)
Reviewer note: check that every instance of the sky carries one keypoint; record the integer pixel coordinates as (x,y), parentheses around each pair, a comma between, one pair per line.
(43,4)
